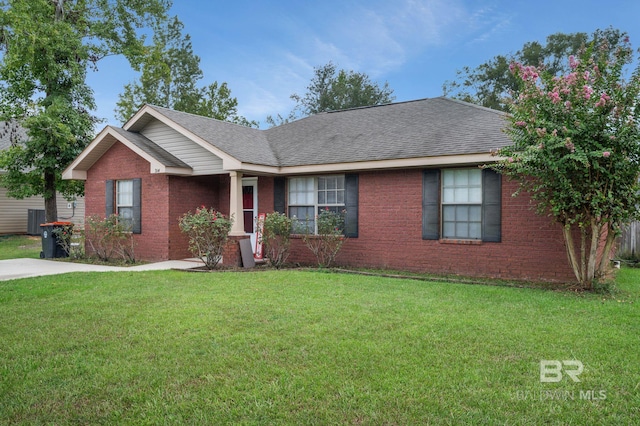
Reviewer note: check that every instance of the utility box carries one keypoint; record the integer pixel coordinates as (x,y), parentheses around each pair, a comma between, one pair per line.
(50,247)
(34,218)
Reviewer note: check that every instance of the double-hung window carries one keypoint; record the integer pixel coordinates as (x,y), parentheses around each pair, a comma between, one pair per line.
(124,201)
(124,198)
(462,204)
(309,195)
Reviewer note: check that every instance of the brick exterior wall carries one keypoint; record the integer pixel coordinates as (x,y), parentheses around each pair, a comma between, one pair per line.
(120,163)
(390,236)
(390,224)
(164,200)
(187,194)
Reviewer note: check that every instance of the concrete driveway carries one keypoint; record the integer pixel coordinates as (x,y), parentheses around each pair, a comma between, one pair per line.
(23,268)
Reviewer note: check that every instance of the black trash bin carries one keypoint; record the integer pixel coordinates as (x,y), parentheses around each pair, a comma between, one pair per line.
(50,247)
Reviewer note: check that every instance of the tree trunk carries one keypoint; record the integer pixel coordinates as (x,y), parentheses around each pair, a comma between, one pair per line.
(571,252)
(583,255)
(592,261)
(604,261)
(50,202)
(584,260)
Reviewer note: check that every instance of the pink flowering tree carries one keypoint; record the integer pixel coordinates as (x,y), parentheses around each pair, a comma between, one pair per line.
(576,150)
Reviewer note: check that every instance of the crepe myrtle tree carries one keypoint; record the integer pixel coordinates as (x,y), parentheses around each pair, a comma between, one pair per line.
(576,150)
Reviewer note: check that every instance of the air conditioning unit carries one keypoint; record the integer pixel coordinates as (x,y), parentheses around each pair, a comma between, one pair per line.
(34,218)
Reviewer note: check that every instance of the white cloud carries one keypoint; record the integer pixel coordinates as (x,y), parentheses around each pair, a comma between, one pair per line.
(267,88)
(377,37)
(373,37)
(485,23)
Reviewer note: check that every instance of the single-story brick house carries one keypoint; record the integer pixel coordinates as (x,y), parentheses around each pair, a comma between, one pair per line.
(406,173)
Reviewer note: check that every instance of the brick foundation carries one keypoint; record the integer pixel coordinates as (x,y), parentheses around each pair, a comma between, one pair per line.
(231,255)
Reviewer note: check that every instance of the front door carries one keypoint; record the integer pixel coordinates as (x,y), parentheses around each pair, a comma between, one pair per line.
(250,207)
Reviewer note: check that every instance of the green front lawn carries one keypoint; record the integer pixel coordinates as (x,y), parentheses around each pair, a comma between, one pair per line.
(19,246)
(295,347)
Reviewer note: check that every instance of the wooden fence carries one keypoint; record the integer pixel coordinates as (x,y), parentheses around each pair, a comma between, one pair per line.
(629,241)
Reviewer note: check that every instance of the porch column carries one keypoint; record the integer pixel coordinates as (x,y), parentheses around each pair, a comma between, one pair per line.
(235,209)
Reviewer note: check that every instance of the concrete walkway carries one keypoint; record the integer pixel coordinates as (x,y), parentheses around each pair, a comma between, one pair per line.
(23,268)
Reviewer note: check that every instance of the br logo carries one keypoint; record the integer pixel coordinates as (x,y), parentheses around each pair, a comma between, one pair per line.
(551,370)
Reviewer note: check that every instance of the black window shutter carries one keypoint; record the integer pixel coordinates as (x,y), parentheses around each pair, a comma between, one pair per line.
(431,204)
(351,205)
(109,192)
(137,206)
(279,195)
(491,206)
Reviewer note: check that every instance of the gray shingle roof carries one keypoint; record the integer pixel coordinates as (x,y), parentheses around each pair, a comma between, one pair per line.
(243,143)
(414,129)
(422,128)
(164,157)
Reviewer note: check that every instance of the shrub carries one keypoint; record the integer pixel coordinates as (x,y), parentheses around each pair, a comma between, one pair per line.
(71,241)
(208,231)
(63,235)
(109,237)
(328,242)
(276,238)
(76,247)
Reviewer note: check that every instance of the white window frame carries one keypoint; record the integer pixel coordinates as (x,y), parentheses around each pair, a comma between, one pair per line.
(454,201)
(316,205)
(123,204)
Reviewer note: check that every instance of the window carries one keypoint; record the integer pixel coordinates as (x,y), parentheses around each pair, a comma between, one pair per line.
(124,201)
(124,198)
(462,204)
(309,195)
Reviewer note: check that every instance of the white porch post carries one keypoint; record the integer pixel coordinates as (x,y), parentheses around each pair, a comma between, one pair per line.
(235,209)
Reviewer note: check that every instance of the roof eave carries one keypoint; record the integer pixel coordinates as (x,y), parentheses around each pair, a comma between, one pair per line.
(402,163)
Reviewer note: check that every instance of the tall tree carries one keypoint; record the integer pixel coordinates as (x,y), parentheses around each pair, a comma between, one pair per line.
(169,78)
(576,148)
(47,48)
(332,89)
(491,83)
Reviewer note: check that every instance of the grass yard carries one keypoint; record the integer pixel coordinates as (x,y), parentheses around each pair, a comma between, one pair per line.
(17,246)
(299,347)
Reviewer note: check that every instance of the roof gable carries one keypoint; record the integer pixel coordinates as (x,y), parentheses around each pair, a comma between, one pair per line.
(160,161)
(245,144)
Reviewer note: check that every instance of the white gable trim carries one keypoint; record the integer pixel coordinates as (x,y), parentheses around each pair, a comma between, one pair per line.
(101,144)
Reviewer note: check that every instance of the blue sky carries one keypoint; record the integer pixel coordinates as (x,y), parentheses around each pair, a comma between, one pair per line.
(266,50)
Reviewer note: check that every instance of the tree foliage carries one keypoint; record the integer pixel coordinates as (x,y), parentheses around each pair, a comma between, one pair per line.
(491,83)
(47,48)
(576,148)
(169,78)
(332,89)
